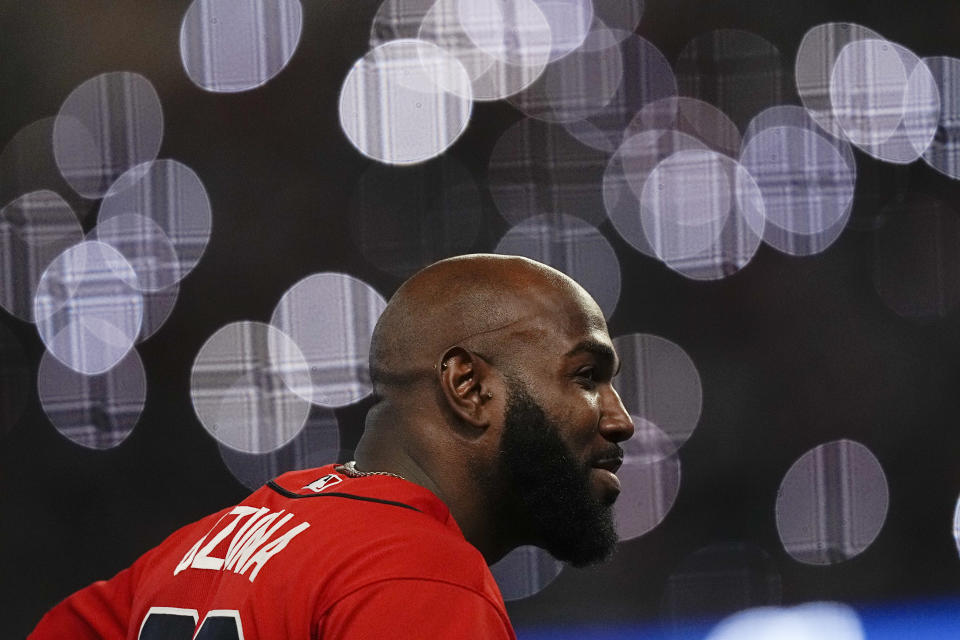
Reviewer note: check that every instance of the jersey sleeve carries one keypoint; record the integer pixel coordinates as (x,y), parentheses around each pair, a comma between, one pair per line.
(404,609)
(100,611)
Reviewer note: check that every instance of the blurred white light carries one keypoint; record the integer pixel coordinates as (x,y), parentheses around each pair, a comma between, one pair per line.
(398,19)
(97,412)
(647,77)
(331,317)
(538,168)
(513,32)
(956,525)
(246,384)
(943,154)
(917,258)
(627,173)
(815,63)
(693,117)
(34,229)
(866,89)
(570,22)
(106,126)
(317,444)
(404,218)
(172,197)
(685,203)
(739,72)
(740,236)
(15,375)
(578,85)
(788,115)
(659,382)
(572,246)
(491,78)
(811,621)
(649,480)
(832,503)
(145,246)
(912,107)
(89,308)
(27,164)
(525,571)
(228,46)
(807,184)
(405,102)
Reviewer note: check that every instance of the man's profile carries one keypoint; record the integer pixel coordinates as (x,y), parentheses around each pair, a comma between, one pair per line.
(495,425)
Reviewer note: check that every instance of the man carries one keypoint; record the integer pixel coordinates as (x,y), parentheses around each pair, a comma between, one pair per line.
(496,425)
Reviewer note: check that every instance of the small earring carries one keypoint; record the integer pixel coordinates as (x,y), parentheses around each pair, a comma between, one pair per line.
(489,395)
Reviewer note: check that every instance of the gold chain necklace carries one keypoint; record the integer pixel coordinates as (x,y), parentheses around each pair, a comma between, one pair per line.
(350,469)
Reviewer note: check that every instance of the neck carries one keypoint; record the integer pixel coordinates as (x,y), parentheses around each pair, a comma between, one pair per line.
(447,478)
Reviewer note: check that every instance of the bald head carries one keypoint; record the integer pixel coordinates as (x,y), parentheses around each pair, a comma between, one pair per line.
(483,298)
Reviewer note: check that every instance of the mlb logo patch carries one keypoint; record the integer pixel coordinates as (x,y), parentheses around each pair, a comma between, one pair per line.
(322,483)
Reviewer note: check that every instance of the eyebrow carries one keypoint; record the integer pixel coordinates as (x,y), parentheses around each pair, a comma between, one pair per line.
(600,350)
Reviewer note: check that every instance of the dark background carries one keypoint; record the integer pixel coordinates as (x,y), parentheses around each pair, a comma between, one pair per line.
(792,352)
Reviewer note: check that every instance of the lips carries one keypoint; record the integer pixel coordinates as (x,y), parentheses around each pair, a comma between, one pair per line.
(610,464)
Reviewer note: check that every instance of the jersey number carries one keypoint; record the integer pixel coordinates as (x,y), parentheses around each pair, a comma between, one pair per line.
(168,623)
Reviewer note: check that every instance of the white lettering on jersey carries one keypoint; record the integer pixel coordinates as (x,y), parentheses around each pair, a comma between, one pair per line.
(253,544)
(323,483)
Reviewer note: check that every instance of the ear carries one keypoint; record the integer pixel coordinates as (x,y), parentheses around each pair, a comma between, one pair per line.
(466,382)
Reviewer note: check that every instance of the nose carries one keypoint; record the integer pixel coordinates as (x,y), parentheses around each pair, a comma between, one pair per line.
(616,425)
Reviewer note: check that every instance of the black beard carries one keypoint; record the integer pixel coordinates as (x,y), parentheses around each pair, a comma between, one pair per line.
(548,489)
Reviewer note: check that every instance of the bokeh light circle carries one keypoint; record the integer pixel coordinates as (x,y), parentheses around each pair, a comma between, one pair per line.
(331,317)
(15,380)
(659,382)
(806,182)
(570,22)
(538,168)
(685,203)
(405,101)
(404,218)
(96,412)
(172,196)
(246,385)
(578,85)
(145,246)
(814,65)
(943,154)
(34,229)
(106,126)
(572,246)
(916,268)
(832,503)
(739,72)
(89,308)
(649,480)
(810,621)
(867,89)
(513,32)
(398,20)
(693,117)
(317,444)
(491,78)
(228,46)
(647,77)
(525,571)
(914,108)
(740,235)
(788,115)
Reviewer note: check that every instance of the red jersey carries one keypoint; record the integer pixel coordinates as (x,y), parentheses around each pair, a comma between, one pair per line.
(313,554)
